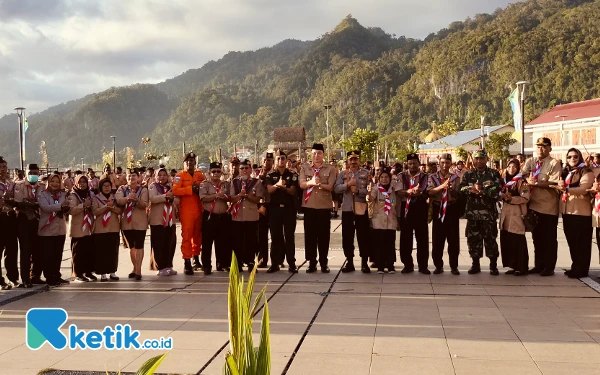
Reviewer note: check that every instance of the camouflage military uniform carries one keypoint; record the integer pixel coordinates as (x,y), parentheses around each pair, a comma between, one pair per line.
(481,211)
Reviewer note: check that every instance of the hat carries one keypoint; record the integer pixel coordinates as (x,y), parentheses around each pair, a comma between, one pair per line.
(544,142)
(387,170)
(245,162)
(481,153)
(318,147)
(446,156)
(352,154)
(189,155)
(2,160)
(269,155)
(234,160)
(32,167)
(216,165)
(280,153)
(412,156)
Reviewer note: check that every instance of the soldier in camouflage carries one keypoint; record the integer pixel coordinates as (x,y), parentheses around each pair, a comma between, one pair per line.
(481,186)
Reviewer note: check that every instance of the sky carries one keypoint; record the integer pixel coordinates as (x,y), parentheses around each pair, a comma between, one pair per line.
(53,51)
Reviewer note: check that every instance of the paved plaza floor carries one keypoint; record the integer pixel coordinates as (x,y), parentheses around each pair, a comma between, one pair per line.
(332,323)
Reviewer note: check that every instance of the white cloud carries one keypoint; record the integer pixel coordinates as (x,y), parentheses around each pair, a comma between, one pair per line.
(54,51)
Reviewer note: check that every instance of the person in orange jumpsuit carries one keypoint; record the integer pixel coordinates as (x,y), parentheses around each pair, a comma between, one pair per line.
(186,185)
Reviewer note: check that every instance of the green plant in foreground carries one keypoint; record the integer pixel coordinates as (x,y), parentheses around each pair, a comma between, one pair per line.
(147,368)
(243,358)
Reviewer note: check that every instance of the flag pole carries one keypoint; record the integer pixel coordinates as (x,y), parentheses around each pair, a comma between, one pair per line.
(21,136)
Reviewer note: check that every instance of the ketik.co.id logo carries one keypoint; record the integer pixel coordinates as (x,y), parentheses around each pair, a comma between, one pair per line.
(44,324)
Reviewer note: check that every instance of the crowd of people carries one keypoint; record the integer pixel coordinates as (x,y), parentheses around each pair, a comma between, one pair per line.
(235,210)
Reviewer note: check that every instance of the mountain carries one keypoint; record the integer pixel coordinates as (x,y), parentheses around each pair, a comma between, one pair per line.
(395,85)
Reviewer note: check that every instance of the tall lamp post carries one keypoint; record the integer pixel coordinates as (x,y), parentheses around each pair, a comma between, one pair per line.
(82,165)
(327,108)
(20,122)
(114,153)
(523,84)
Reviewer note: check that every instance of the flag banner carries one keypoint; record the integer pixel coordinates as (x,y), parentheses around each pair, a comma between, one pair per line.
(516,108)
(25,124)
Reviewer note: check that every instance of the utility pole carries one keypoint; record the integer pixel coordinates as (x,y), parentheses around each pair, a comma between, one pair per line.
(523,84)
(114,167)
(482,132)
(327,108)
(20,111)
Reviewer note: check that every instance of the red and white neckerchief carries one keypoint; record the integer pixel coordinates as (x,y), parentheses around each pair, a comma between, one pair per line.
(537,169)
(167,206)
(594,165)
(236,207)
(212,205)
(128,213)
(513,181)
(444,204)
(565,195)
(310,189)
(388,203)
(31,191)
(56,199)
(87,217)
(107,214)
(597,203)
(5,186)
(414,182)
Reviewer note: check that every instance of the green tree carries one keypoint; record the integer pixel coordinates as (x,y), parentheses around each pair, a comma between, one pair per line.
(447,128)
(462,154)
(497,145)
(364,141)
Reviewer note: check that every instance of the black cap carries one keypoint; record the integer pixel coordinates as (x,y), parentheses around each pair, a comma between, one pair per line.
(234,160)
(216,165)
(32,167)
(2,160)
(412,156)
(318,147)
(269,155)
(280,153)
(353,154)
(189,155)
(245,162)
(544,142)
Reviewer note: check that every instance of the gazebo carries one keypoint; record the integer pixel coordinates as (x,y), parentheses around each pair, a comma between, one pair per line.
(290,140)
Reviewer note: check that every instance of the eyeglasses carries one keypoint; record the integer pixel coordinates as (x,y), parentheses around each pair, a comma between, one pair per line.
(243,168)
(572,157)
(215,172)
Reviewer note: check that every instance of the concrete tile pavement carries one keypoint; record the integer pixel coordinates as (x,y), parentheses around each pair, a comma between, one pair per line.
(367,324)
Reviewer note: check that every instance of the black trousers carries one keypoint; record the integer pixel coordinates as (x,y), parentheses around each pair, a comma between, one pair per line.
(545,241)
(317,227)
(283,227)
(513,247)
(9,247)
(245,240)
(416,223)
(448,230)
(106,246)
(82,255)
(216,231)
(53,251)
(31,258)
(385,247)
(578,231)
(161,240)
(351,223)
(263,235)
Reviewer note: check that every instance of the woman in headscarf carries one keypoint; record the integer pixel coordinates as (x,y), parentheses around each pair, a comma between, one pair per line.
(52,228)
(162,223)
(576,210)
(106,231)
(382,196)
(513,244)
(134,223)
(82,221)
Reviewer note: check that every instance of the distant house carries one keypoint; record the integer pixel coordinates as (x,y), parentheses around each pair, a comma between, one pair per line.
(464,139)
(568,125)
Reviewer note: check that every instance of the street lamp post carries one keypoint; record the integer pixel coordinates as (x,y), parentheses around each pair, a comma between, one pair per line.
(482,132)
(522,83)
(327,108)
(82,165)
(114,153)
(20,122)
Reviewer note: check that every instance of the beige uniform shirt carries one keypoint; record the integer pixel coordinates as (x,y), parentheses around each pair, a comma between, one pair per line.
(24,191)
(47,226)
(157,205)
(99,209)
(208,188)
(139,219)
(248,210)
(319,198)
(77,213)
(544,201)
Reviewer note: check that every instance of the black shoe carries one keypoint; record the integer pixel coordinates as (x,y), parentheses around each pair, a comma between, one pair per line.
(49,283)
(37,281)
(510,272)
(91,276)
(263,265)
(547,272)
(114,278)
(14,284)
(187,268)
(455,271)
(365,269)
(273,269)
(567,272)
(475,269)
(81,279)
(519,273)
(131,275)
(138,277)
(335,215)
(28,285)
(63,281)
(311,269)
(494,271)
(207,270)
(391,270)
(374,265)
(349,267)
(407,270)
(325,269)
(535,270)
(5,286)
(293,269)
(219,268)
(196,265)
(104,279)
(424,271)
(437,270)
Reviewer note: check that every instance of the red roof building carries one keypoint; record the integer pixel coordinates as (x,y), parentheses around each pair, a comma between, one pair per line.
(568,125)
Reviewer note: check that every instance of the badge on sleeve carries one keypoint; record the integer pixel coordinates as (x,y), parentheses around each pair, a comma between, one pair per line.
(177,179)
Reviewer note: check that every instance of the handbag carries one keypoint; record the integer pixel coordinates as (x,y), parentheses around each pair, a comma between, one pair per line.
(530,219)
